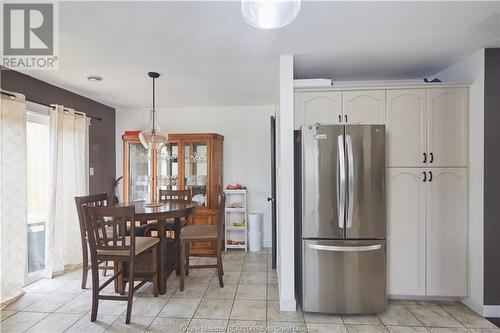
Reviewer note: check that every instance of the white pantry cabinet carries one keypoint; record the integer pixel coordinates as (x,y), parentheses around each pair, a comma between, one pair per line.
(427,127)
(406,128)
(447,128)
(406,219)
(364,107)
(324,107)
(447,232)
(427,231)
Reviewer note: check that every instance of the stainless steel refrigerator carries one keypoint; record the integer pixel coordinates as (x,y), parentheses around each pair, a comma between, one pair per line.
(343,219)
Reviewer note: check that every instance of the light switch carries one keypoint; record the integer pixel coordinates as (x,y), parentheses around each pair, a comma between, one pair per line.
(91,171)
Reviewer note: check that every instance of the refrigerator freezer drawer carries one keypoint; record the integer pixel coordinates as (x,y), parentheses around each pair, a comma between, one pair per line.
(344,276)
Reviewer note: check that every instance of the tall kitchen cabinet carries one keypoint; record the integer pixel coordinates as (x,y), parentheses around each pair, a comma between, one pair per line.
(427,191)
(188,161)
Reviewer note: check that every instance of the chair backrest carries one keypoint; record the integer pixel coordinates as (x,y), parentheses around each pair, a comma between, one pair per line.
(97,200)
(175,195)
(222,216)
(107,228)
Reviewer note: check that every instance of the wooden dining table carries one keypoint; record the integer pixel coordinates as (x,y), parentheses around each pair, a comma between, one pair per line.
(170,209)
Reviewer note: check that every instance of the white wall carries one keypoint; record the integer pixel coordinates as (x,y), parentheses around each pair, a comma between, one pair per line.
(471,70)
(246,132)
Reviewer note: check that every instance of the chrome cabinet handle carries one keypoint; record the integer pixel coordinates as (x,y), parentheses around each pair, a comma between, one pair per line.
(350,184)
(341,180)
(334,248)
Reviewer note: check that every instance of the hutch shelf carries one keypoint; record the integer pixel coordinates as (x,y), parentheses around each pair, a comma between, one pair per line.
(192,161)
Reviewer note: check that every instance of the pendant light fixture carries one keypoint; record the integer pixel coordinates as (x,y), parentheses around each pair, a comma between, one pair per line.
(269,14)
(152,137)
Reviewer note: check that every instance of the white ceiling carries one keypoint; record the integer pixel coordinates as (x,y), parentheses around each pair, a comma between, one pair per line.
(209,56)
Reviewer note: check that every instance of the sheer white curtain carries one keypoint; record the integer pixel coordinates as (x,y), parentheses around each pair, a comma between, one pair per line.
(13,196)
(68,151)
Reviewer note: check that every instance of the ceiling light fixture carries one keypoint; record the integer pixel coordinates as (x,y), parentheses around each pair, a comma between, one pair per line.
(152,137)
(269,14)
(94,78)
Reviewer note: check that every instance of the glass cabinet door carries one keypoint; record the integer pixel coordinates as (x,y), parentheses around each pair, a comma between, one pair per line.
(196,170)
(139,160)
(168,167)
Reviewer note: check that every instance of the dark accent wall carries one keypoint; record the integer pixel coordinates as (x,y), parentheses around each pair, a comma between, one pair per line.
(102,150)
(492,177)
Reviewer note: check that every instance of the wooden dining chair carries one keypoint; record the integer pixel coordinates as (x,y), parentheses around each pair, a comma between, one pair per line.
(119,248)
(203,233)
(97,200)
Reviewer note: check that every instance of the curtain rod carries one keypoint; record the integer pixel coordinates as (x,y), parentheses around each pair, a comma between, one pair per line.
(50,106)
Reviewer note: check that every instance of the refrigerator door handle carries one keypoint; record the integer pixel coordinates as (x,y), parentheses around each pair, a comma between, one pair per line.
(341,173)
(350,185)
(345,248)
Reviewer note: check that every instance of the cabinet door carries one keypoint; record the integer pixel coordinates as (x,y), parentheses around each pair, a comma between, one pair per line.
(406,119)
(324,107)
(447,129)
(196,156)
(406,207)
(138,172)
(447,232)
(364,107)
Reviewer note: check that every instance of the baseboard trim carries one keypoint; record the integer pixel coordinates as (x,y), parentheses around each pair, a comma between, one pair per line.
(491,311)
(473,305)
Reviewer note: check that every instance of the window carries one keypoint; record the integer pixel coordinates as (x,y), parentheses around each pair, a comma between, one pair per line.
(37,136)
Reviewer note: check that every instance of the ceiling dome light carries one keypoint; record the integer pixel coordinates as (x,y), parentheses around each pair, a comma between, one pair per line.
(94,78)
(269,14)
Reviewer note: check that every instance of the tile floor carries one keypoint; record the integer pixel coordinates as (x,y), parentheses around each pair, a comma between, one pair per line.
(247,303)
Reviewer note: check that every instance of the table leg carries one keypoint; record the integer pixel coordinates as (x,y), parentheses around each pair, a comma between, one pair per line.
(162,279)
(177,227)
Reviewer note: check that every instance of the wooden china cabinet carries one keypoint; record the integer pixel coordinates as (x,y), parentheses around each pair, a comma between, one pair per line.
(192,161)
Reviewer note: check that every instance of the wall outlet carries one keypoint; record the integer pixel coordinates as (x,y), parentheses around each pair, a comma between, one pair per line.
(91,171)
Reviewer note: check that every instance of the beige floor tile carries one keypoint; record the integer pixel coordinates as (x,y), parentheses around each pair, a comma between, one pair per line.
(180,308)
(73,287)
(79,305)
(215,291)
(207,325)
(4,314)
(467,317)
(361,320)
(255,267)
(46,286)
(235,326)
(418,302)
(199,276)
(407,329)
(248,310)
(214,309)
(256,257)
(433,316)
(448,330)
(137,325)
(206,261)
(253,278)
(232,266)
(24,301)
(55,322)
(274,313)
(398,315)
(485,330)
(232,277)
(322,318)
(192,290)
(272,277)
(365,329)
(279,326)
(115,308)
(147,306)
(49,303)
(251,292)
(84,325)
(21,321)
(326,328)
(168,325)
(273,293)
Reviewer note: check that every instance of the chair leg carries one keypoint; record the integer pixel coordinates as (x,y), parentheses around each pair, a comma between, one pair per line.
(95,290)
(219,267)
(186,268)
(130,290)
(121,283)
(155,270)
(183,262)
(105,271)
(85,264)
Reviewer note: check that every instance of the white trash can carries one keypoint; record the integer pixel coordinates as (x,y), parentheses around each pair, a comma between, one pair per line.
(254,222)
(255,241)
